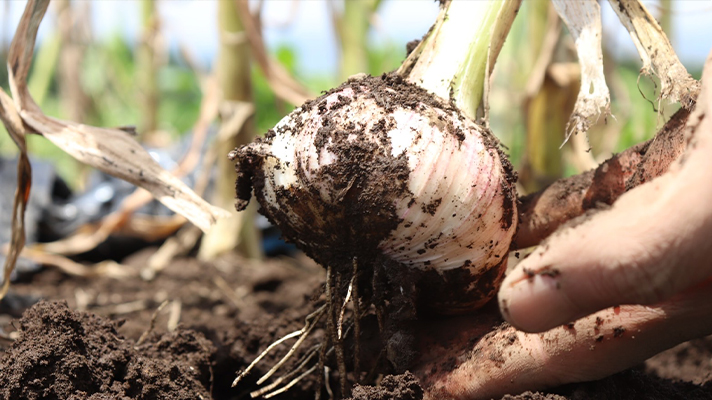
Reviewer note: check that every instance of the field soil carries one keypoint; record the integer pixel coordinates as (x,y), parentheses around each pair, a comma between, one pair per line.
(189,331)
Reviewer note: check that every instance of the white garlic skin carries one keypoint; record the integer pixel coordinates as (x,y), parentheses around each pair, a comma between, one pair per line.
(452,205)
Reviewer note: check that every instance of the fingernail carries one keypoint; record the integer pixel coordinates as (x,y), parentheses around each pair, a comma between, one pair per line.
(535,302)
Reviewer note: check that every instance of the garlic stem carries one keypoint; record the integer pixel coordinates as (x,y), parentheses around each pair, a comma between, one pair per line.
(456,57)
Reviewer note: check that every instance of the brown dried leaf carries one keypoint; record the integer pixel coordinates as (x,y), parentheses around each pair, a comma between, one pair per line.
(657,53)
(17,131)
(583,18)
(110,150)
(89,236)
(118,154)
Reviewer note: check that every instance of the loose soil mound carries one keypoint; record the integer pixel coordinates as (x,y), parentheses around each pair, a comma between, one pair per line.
(65,354)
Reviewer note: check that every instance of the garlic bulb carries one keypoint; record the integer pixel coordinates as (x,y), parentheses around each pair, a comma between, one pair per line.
(378,167)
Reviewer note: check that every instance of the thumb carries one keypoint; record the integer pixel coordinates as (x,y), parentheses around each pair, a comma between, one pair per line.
(650,245)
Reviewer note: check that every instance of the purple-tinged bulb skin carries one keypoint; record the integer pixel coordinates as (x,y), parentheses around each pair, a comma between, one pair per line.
(377,168)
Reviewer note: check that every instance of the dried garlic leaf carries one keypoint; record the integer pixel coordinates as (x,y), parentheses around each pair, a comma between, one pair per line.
(116,153)
(657,53)
(110,150)
(583,18)
(17,131)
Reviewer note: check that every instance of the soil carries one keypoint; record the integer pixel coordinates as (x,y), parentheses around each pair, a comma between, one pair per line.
(107,338)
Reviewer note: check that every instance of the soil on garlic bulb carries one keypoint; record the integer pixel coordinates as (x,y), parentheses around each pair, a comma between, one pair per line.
(347,193)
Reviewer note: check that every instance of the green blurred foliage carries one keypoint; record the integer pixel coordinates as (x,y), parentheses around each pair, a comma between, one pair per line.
(385,58)
(643,119)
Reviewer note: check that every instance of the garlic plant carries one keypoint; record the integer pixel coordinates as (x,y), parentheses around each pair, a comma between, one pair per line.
(395,168)
(388,168)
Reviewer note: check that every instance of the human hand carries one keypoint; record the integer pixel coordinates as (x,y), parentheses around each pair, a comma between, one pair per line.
(650,253)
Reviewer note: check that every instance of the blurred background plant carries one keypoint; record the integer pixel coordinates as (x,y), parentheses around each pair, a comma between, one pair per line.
(152,63)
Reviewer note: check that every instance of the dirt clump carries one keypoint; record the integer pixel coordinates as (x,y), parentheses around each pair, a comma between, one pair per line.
(401,387)
(66,354)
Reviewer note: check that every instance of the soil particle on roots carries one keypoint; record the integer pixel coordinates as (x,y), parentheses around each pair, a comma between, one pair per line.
(66,354)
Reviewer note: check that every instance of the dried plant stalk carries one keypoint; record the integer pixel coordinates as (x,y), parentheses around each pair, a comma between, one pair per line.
(233,66)
(657,53)
(147,65)
(583,18)
(17,131)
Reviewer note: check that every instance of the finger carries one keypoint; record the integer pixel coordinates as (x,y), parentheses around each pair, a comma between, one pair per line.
(650,245)
(508,361)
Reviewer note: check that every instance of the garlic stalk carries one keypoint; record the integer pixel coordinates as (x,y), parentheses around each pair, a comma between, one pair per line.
(389,171)
(456,57)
